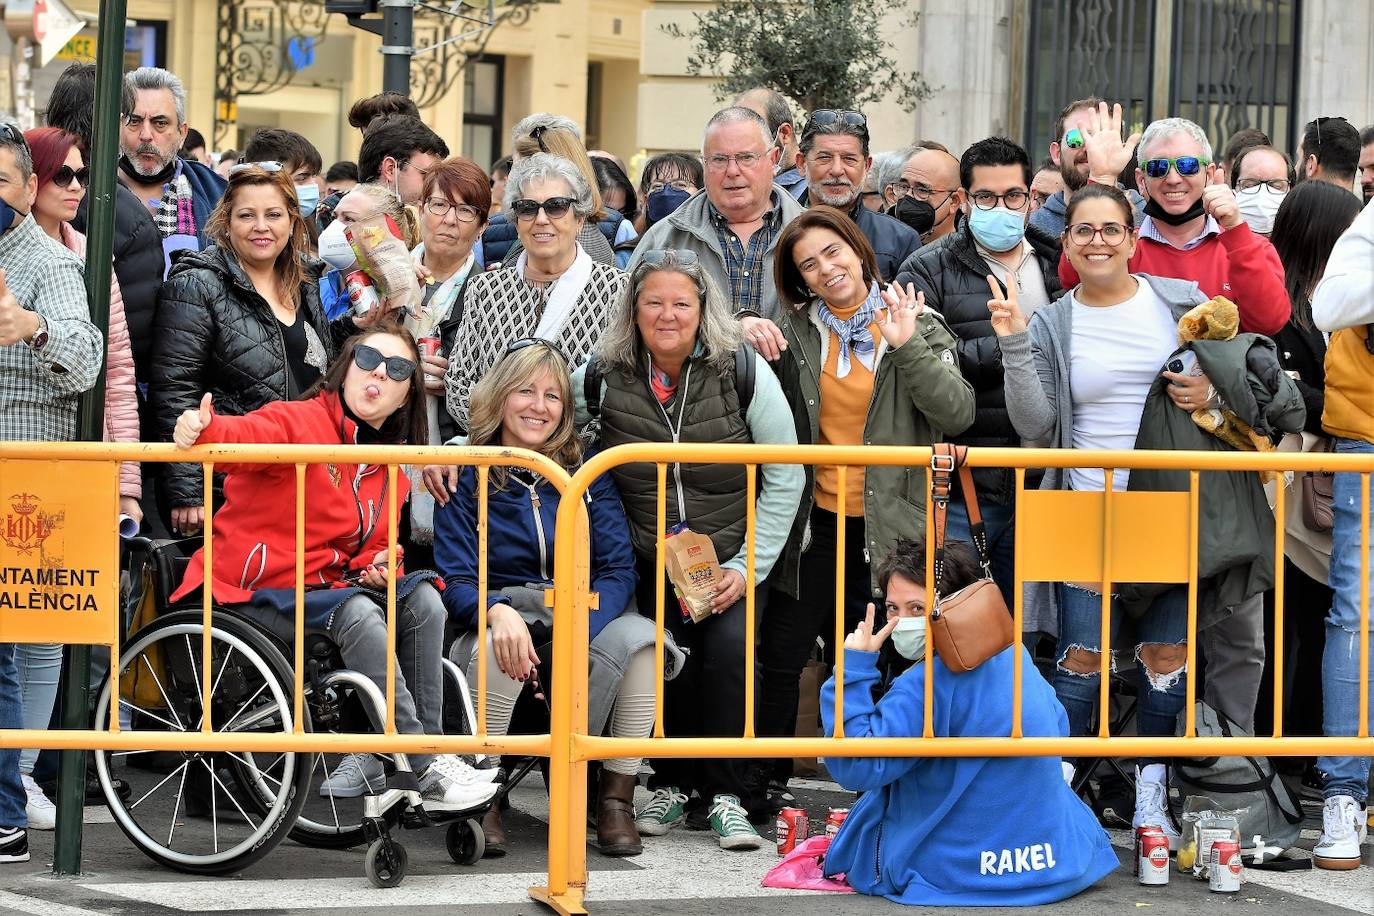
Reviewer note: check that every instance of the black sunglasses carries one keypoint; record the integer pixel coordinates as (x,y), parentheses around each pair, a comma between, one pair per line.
(538,136)
(398,368)
(64,176)
(525,343)
(826,117)
(554,207)
(13,134)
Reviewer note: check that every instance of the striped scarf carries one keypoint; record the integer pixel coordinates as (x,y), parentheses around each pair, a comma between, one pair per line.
(175,215)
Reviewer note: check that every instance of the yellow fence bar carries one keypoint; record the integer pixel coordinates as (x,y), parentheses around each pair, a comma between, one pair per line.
(298,642)
(1364,606)
(660,571)
(1104,651)
(207,599)
(839,634)
(1018,602)
(1280,574)
(750,622)
(483,475)
(1190,701)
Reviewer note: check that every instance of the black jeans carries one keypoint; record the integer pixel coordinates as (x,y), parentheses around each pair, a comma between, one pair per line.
(706,699)
(1305,605)
(791,625)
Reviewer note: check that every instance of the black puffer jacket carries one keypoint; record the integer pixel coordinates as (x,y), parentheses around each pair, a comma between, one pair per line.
(953,275)
(214,333)
(138,267)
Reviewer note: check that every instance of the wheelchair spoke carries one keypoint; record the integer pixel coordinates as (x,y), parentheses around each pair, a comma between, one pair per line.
(195,674)
(159,785)
(176,809)
(214,688)
(214,812)
(139,709)
(160,689)
(246,703)
(324,764)
(230,796)
(254,767)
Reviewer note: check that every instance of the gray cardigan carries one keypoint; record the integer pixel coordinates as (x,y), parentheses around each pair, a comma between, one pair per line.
(1035,366)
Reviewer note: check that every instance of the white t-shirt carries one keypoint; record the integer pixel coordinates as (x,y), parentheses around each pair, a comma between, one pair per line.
(1116,353)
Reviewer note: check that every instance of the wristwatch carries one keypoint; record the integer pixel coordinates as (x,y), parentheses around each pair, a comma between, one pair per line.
(40,336)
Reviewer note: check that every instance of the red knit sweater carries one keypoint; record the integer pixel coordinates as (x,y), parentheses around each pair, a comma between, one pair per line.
(1237,264)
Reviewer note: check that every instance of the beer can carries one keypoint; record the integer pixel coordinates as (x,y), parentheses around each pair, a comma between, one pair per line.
(362,293)
(1135,848)
(791,829)
(429,346)
(1152,857)
(1225,867)
(833,819)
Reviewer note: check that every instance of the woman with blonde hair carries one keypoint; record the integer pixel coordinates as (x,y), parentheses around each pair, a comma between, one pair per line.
(525,401)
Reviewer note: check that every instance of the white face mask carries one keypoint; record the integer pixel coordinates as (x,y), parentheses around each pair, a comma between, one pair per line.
(1258,205)
(909,638)
(335,249)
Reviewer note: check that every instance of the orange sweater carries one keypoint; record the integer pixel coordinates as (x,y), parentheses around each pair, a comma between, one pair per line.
(843,413)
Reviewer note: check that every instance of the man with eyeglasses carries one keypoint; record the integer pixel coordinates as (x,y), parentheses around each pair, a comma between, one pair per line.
(1071,152)
(733,228)
(180,193)
(927,196)
(1262,179)
(994,178)
(397,153)
(1329,151)
(834,155)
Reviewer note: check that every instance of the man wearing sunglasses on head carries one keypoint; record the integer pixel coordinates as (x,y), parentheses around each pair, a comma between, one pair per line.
(834,155)
(1193,228)
(1078,163)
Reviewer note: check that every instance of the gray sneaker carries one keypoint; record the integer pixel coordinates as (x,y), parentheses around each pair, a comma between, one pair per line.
(449,784)
(356,774)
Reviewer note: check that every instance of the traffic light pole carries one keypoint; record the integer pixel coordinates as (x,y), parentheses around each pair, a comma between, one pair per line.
(398,35)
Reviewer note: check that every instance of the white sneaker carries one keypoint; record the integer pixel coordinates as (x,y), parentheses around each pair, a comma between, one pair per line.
(42,813)
(356,774)
(449,784)
(1152,802)
(1343,830)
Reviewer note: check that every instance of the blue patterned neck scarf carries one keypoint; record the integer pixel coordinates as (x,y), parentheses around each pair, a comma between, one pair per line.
(853,334)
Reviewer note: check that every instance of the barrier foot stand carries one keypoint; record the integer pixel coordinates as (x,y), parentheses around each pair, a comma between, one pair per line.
(568,903)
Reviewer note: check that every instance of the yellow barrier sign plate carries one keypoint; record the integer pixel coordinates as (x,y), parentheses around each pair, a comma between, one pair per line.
(59,551)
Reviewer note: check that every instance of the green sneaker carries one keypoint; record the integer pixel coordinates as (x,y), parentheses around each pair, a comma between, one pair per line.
(665,810)
(731,824)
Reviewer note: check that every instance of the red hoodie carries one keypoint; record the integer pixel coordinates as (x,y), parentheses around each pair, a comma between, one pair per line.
(1237,264)
(255,528)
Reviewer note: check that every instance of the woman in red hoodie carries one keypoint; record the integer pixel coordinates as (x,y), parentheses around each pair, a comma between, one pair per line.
(370,395)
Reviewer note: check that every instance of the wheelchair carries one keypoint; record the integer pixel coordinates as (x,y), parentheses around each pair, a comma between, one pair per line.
(216,813)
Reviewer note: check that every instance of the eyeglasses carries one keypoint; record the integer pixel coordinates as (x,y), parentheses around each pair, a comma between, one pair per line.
(67,174)
(437,206)
(525,343)
(410,165)
(272,167)
(160,123)
(681,184)
(919,191)
(1187,166)
(1015,199)
(1277,185)
(526,209)
(1112,234)
(398,368)
(720,162)
(660,256)
(1074,139)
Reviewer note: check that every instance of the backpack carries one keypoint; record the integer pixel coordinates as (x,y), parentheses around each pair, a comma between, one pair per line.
(744,385)
(1274,814)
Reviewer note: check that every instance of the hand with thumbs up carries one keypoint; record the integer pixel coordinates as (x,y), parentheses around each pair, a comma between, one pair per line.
(192,423)
(1219,200)
(17,324)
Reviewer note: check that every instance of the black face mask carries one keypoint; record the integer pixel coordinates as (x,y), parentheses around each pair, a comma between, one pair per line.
(918,214)
(1155,211)
(161,177)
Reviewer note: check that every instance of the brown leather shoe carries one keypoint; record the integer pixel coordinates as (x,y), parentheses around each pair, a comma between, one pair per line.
(615,821)
(495,833)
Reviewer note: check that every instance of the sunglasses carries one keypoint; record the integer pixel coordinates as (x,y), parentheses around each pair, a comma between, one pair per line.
(64,176)
(13,134)
(265,166)
(1074,139)
(659,256)
(524,343)
(1187,166)
(554,207)
(824,117)
(398,368)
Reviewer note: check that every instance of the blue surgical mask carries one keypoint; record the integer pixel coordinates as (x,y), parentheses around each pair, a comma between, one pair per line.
(909,638)
(9,217)
(309,197)
(998,229)
(662,203)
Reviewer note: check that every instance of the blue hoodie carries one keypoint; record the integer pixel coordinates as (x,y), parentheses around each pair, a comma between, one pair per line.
(974,831)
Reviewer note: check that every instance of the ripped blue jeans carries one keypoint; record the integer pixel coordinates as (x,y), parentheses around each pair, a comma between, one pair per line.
(1341,657)
(1164,627)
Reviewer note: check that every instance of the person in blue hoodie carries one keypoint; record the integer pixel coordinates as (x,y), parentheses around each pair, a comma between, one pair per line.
(526,401)
(947,831)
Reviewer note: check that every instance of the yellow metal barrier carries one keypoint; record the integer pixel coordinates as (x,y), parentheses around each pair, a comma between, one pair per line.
(1105,537)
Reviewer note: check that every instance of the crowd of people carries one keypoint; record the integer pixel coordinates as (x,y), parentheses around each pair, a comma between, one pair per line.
(784,284)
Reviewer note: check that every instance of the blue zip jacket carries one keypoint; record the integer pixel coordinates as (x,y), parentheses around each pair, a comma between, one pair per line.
(520,537)
(943,831)
(207,187)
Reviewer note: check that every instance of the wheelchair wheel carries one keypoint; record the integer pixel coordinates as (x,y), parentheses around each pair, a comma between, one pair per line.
(385,864)
(465,841)
(201,812)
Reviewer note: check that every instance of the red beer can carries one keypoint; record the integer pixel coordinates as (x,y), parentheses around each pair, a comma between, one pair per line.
(833,819)
(362,293)
(429,346)
(1225,866)
(1152,857)
(792,829)
(1140,832)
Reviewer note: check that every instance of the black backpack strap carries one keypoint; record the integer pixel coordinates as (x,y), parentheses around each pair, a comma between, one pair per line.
(591,387)
(744,378)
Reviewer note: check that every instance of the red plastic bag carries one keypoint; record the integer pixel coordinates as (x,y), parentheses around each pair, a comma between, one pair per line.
(800,870)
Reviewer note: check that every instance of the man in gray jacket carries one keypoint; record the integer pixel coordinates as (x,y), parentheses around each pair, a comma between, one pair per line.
(733,225)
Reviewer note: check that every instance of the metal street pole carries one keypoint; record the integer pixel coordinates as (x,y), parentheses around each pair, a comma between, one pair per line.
(398,36)
(75,692)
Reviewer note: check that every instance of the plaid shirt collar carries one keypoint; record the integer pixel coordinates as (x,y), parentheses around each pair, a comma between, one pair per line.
(771,217)
(744,263)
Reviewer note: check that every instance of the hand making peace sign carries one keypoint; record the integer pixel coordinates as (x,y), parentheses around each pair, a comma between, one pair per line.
(1007,317)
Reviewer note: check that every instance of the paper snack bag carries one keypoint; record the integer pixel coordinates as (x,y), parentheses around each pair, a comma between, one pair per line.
(387,261)
(694,571)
